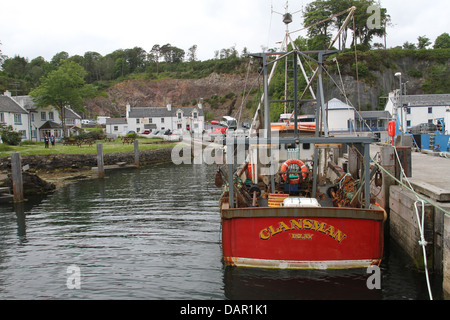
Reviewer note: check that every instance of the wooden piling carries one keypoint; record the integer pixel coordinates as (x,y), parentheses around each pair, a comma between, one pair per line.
(136,153)
(100,161)
(16,172)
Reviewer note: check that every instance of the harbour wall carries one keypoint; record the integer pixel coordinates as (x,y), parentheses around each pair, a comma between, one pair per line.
(446,264)
(78,161)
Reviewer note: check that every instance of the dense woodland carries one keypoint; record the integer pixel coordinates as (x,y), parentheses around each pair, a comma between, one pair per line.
(20,75)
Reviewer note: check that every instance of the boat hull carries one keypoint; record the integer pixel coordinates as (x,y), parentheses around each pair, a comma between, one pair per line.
(302,238)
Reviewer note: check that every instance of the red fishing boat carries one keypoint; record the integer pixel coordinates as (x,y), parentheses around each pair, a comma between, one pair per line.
(289,212)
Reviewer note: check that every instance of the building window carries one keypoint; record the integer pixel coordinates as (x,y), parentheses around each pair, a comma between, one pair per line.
(17,118)
(2,117)
(51,116)
(179,126)
(137,121)
(43,116)
(162,120)
(195,115)
(430,121)
(408,110)
(179,115)
(408,123)
(32,117)
(430,110)
(116,128)
(150,120)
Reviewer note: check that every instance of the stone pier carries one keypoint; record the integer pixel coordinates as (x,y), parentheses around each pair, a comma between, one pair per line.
(446,264)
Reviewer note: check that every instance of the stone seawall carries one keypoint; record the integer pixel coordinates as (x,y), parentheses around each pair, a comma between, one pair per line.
(78,161)
(447,257)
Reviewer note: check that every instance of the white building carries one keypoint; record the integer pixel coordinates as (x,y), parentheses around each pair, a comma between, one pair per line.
(341,117)
(116,126)
(35,122)
(168,118)
(13,114)
(418,109)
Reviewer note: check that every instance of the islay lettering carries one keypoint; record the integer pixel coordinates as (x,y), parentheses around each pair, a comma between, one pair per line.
(303,224)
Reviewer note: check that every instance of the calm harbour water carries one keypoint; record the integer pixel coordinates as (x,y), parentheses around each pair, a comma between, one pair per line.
(154,233)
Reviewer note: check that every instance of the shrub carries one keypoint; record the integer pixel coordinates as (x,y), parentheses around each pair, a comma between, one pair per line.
(9,136)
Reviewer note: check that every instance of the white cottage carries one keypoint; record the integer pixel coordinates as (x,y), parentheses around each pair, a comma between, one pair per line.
(168,118)
(13,114)
(418,109)
(47,120)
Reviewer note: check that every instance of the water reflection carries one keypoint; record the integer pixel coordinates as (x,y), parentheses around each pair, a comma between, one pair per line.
(260,284)
(154,233)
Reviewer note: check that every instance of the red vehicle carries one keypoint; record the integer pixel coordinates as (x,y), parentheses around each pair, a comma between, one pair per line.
(219,132)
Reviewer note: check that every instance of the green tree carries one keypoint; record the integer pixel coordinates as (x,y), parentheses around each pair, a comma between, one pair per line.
(59,58)
(15,67)
(62,88)
(363,31)
(320,33)
(192,55)
(423,42)
(442,42)
(154,56)
(172,54)
(409,46)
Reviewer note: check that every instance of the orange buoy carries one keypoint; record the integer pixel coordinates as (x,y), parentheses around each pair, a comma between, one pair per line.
(285,167)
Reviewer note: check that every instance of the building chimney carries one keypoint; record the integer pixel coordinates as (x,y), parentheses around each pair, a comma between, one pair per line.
(169,107)
(128,111)
(7,93)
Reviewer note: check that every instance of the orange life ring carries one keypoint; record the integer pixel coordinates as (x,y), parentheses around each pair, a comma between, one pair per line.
(391,128)
(287,164)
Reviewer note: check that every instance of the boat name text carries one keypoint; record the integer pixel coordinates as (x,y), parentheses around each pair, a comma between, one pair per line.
(303,224)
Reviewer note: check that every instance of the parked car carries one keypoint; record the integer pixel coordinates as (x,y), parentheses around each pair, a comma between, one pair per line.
(218,133)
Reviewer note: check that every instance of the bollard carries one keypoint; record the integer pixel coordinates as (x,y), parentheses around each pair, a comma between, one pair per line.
(16,172)
(100,164)
(136,153)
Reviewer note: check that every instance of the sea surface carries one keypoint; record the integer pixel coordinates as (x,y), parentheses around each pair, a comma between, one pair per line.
(153,233)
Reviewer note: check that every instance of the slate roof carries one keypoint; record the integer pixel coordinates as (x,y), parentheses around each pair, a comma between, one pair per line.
(51,125)
(26,102)
(110,121)
(382,115)
(336,104)
(9,105)
(162,112)
(427,100)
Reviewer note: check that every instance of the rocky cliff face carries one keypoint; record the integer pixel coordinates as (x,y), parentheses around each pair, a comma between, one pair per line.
(150,93)
(369,93)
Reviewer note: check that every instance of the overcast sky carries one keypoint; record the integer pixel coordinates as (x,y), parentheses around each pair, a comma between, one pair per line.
(31,28)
